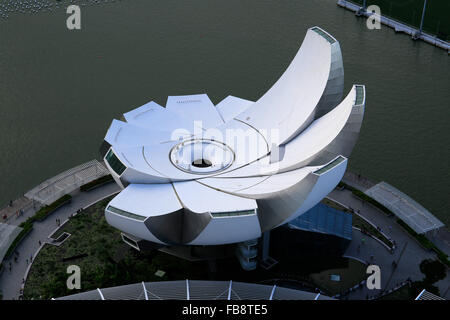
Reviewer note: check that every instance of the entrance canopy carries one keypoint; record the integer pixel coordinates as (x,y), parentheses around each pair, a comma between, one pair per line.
(405,208)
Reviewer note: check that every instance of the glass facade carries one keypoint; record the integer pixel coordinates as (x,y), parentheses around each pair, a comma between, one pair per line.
(324,219)
(332,164)
(323,34)
(126,213)
(233,213)
(359,95)
(114,162)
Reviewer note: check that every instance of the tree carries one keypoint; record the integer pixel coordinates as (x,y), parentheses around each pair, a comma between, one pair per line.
(433,270)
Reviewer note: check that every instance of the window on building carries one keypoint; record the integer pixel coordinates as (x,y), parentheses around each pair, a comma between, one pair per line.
(125,213)
(114,162)
(233,213)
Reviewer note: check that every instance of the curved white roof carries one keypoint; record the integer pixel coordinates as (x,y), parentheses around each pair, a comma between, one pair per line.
(292,100)
(160,199)
(194,173)
(200,198)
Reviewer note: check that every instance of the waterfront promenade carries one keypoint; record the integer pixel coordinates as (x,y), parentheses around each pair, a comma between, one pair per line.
(11,281)
(408,253)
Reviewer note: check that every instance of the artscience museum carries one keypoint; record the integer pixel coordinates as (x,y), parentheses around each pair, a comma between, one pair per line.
(194,173)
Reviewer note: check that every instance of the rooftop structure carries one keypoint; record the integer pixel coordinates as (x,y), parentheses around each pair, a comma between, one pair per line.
(66,182)
(196,290)
(405,208)
(425,295)
(197,174)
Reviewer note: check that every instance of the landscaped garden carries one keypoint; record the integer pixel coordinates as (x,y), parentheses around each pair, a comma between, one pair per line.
(354,273)
(106,261)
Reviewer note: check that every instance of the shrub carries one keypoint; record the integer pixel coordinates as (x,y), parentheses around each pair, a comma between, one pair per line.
(420,237)
(366,198)
(46,210)
(96,183)
(425,243)
(27,227)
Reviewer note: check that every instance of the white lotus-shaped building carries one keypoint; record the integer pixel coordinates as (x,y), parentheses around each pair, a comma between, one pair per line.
(197,174)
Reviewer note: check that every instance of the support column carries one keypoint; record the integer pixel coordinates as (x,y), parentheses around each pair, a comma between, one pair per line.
(265,245)
(266,261)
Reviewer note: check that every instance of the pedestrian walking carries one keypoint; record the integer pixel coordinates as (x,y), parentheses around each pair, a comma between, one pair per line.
(40,243)
(27,261)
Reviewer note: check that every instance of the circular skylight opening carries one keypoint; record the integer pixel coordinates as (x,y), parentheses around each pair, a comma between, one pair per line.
(202,163)
(201,156)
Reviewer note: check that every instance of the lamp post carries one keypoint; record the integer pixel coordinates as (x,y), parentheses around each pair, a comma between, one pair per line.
(423,16)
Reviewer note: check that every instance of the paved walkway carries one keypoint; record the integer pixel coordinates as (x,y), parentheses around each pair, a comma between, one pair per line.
(408,254)
(10,211)
(408,261)
(11,281)
(357,181)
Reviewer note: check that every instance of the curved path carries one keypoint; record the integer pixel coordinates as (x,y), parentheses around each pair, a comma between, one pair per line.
(408,253)
(11,281)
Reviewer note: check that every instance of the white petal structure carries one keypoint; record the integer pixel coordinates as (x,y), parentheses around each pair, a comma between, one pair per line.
(197,174)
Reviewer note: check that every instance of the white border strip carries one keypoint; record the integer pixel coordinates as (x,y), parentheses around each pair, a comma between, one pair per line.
(145,290)
(273,291)
(100,293)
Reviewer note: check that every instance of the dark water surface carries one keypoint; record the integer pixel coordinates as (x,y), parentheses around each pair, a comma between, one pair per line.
(60,89)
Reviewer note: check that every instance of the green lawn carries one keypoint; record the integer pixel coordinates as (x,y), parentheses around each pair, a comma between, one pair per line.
(110,262)
(334,205)
(410,12)
(353,274)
